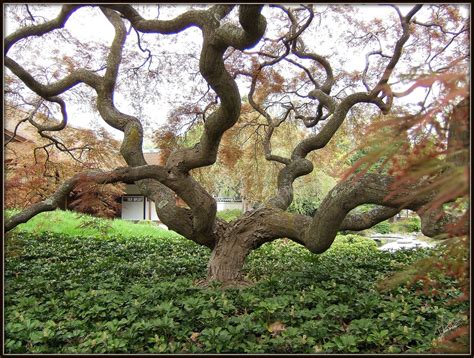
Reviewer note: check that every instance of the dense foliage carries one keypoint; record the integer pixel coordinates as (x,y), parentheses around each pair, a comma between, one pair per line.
(102,293)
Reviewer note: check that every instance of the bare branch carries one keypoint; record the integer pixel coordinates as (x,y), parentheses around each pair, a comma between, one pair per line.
(397,53)
(28,118)
(41,29)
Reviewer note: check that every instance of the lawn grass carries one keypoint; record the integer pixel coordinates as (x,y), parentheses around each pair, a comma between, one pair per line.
(71,223)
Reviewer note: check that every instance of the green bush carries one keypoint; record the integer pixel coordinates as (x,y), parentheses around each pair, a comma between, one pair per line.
(383,227)
(229,214)
(412,224)
(304,205)
(353,244)
(114,294)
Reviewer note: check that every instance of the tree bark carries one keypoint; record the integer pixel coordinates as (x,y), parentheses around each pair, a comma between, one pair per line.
(227,261)
(238,238)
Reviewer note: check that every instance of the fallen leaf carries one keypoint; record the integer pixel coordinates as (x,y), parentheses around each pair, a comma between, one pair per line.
(194,336)
(276,327)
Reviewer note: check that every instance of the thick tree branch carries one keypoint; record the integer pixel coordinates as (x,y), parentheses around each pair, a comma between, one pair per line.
(347,195)
(182,22)
(253,27)
(46,91)
(189,225)
(320,139)
(362,221)
(212,68)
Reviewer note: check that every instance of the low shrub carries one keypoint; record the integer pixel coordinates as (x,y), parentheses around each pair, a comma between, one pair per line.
(114,294)
(382,227)
(304,205)
(409,225)
(413,224)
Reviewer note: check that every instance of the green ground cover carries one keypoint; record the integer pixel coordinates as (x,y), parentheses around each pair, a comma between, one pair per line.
(110,293)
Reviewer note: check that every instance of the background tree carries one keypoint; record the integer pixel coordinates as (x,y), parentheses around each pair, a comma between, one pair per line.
(36,168)
(290,83)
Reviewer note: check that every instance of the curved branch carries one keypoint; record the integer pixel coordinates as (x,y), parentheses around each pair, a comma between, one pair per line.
(114,58)
(329,82)
(53,89)
(320,140)
(28,118)
(212,68)
(267,148)
(41,29)
(397,53)
(331,216)
(287,175)
(178,219)
(253,26)
(182,22)
(55,127)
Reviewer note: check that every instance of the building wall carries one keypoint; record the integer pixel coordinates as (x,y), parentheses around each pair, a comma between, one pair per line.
(150,211)
(133,207)
(229,205)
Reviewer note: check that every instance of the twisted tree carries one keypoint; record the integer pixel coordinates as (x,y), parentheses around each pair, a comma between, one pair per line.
(287,81)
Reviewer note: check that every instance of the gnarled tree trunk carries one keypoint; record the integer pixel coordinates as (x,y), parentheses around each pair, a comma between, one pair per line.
(227,260)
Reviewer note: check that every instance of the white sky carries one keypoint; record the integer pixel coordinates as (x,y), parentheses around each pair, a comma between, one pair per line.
(88,25)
